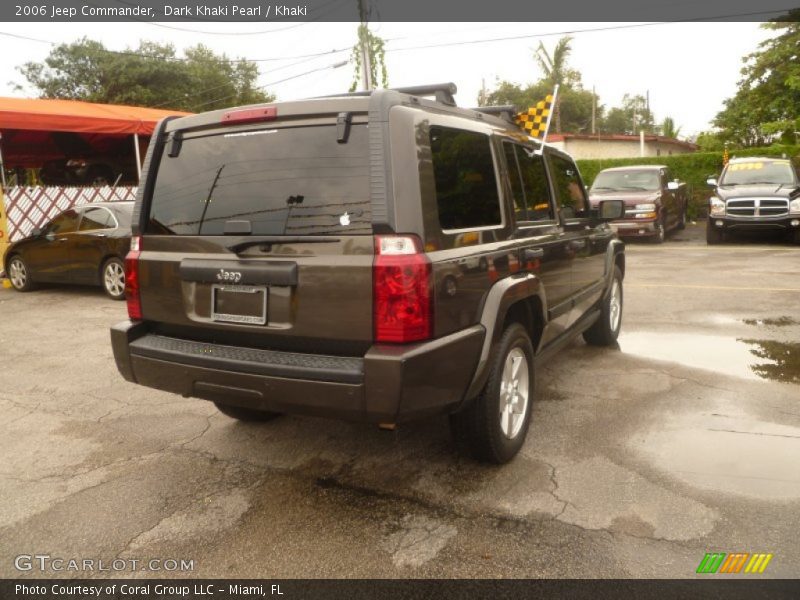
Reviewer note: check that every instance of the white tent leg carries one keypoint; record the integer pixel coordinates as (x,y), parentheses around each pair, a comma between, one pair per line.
(138,157)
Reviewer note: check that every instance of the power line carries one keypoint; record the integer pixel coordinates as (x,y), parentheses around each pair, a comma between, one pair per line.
(216,87)
(576,31)
(333,66)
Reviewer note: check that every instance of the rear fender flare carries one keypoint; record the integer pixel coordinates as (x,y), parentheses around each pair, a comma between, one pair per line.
(500,298)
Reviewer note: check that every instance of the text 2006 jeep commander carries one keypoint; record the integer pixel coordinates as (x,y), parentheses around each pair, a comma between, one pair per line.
(374,256)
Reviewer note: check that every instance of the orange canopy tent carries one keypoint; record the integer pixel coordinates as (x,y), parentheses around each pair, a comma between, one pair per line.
(79,117)
(35,131)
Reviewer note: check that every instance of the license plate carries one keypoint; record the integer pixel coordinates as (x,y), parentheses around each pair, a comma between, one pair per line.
(239,304)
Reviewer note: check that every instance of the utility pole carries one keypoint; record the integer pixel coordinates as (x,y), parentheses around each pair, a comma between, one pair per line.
(594,112)
(366,66)
(482,94)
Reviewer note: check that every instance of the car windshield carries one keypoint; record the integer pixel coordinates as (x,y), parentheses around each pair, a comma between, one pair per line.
(644,180)
(775,172)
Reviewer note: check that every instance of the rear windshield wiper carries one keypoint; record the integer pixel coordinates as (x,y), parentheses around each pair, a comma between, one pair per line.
(279,239)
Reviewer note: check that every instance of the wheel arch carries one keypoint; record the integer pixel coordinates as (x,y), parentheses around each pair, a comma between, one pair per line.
(516,299)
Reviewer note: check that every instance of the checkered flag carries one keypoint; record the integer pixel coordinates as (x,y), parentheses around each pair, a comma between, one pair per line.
(536,120)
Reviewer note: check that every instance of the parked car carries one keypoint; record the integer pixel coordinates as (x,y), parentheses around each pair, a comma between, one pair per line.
(655,201)
(301,257)
(83,245)
(755,194)
(96,171)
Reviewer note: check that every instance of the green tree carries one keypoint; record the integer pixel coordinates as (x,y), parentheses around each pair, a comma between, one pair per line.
(766,106)
(557,72)
(668,128)
(575,103)
(573,109)
(630,118)
(150,75)
(709,141)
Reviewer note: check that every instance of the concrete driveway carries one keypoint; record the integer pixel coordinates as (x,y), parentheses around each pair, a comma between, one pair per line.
(683,441)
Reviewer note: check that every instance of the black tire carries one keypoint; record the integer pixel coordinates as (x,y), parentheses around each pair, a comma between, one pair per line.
(245,414)
(477,429)
(713,234)
(112,278)
(796,236)
(19,274)
(661,230)
(605,331)
(682,222)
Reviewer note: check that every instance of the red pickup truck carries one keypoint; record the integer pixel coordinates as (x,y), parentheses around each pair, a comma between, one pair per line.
(655,202)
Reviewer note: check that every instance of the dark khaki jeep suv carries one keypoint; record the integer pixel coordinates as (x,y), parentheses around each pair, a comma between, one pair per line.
(375,256)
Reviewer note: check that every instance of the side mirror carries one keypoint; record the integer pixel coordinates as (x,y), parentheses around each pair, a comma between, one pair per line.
(610,210)
(50,236)
(673,185)
(712,181)
(36,232)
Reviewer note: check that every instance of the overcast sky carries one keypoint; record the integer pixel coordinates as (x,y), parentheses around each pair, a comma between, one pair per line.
(688,68)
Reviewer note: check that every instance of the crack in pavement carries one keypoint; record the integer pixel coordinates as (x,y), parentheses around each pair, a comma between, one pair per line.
(781,435)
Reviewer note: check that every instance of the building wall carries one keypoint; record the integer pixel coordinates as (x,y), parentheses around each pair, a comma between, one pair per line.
(581,149)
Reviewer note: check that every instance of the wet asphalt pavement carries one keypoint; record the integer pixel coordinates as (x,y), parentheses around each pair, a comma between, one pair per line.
(683,441)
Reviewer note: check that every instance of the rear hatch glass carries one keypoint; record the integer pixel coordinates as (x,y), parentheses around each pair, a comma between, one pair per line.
(287,181)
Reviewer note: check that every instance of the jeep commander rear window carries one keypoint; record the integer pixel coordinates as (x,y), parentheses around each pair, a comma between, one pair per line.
(289,181)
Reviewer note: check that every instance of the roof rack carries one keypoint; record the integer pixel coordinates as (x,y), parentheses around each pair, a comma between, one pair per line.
(506,111)
(442,92)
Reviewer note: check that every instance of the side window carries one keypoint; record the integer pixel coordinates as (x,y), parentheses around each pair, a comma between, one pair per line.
(529,184)
(569,189)
(64,223)
(464,176)
(96,218)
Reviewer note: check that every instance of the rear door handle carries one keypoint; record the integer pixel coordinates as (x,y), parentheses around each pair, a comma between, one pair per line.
(532,254)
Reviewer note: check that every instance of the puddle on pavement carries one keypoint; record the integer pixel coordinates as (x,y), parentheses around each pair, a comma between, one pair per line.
(728,453)
(739,357)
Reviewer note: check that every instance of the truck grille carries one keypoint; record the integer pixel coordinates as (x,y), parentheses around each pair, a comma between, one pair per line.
(758,207)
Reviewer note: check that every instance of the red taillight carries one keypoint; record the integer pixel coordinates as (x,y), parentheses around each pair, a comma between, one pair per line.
(401,289)
(250,115)
(132,295)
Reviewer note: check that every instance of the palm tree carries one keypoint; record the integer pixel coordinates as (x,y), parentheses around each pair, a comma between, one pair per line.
(668,128)
(555,69)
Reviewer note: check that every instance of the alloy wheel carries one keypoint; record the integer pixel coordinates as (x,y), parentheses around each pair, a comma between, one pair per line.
(114,279)
(514,393)
(17,273)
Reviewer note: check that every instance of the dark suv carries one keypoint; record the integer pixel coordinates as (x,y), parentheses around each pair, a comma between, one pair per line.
(374,256)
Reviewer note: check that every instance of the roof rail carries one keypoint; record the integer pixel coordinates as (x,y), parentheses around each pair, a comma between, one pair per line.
(506,111)
(442,92)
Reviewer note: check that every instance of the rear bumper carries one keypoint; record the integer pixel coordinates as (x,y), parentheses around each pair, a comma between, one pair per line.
(389,384)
